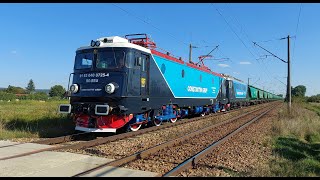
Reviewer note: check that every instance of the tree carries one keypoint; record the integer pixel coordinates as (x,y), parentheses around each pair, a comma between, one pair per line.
(315,98)
(30,88)
(15,90)
(299,91)
(57,90)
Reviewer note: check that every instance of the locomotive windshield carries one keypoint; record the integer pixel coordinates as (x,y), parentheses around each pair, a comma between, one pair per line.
(103,59)
(83,61)
(110,59)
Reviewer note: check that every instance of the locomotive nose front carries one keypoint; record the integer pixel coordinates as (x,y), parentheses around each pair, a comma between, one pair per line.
(96,91)
(97,84)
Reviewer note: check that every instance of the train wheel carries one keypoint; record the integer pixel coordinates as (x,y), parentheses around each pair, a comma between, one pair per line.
(135,127)
(154,120)
(157,122)
(173,120)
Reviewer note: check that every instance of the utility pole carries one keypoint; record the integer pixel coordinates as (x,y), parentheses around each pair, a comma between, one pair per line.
(289,77)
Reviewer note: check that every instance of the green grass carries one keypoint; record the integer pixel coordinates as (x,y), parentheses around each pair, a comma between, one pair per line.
(29,118)
(295,158)
(313,107)
(296,142)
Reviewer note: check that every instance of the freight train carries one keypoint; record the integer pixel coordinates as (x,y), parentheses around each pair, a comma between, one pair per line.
(124,83)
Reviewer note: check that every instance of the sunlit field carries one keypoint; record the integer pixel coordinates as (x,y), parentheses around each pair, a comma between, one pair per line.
(296,142)
(30,118)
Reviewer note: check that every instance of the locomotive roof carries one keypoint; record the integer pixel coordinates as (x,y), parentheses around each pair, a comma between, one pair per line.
(116,41)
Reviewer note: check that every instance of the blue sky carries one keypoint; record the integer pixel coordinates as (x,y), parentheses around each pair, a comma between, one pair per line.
(38,41)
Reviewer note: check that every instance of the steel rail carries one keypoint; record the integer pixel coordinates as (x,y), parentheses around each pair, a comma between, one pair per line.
(192,161)
(62,139)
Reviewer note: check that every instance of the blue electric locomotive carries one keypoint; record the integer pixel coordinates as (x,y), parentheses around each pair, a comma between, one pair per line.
(123,83)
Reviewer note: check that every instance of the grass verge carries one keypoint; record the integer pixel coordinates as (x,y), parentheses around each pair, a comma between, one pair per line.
(33,119)
(296,142)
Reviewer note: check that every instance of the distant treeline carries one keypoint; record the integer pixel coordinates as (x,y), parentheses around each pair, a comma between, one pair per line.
(35,96)
(13,93)
(298,94)
(315,98)
(36,90)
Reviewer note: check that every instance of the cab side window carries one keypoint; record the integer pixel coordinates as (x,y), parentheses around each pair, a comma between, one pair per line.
(130,59)
(137,60)
(143,63)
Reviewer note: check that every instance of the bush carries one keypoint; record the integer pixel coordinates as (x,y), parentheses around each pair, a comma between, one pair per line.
(38,96)
(7,96)
(315,98)
(298,99)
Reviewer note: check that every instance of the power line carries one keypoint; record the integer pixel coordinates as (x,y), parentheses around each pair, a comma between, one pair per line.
(148,23)
(269,40)
(131,14)
(201,60)
(272,55)
(233,30)
(255,82)
(269,52)
(242,28)
(242,41)
(294,45)
(280,81)
(246,34)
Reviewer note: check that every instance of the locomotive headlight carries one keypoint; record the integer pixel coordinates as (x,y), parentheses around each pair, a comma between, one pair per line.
(97,43)
(93,43)
(110,88)
(74,88)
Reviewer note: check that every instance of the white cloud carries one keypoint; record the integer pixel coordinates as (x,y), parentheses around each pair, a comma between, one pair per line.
(13,52)
(245,62)
(236,73)
(223,65)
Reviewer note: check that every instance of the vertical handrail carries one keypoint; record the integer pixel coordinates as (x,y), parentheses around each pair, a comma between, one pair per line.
(69,84)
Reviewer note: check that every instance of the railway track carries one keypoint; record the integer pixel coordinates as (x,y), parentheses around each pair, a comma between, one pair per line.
(172,157)
(99,141)
(124,147)
(193,161)
(67,138)
(79,136)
